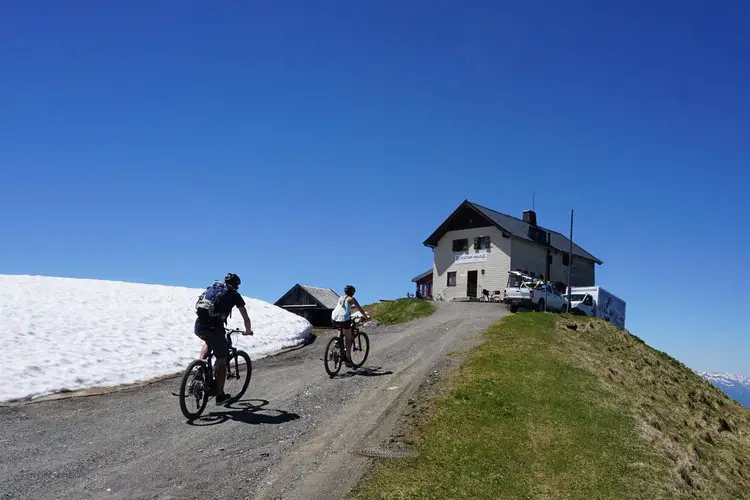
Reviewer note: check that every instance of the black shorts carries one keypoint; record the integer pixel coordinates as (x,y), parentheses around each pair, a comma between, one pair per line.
(214,336)
(342,324)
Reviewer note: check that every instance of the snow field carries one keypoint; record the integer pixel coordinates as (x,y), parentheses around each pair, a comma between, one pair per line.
(67,334)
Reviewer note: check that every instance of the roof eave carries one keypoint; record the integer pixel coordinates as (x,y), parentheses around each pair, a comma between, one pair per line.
(429,241)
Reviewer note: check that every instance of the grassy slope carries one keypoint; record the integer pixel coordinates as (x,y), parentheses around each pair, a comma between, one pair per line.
(400,311)
(544,411)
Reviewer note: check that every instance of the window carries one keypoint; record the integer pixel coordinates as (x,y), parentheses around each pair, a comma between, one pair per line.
(588,300)
(452,278)
(460,245)
(566,259)
(482,243)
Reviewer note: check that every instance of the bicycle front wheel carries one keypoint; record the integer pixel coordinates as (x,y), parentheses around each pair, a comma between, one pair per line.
(193,389)
(360,349)
(332,357)
(239,371)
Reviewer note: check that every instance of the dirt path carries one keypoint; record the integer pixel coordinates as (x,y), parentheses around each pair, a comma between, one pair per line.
(292,436)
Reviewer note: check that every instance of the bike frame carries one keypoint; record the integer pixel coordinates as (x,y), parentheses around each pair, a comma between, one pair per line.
(210,354)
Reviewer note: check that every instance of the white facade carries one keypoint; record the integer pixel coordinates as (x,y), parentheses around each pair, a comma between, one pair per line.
(454,272)
(488,265)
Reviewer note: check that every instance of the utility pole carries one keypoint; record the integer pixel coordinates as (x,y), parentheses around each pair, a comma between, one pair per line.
(570,257)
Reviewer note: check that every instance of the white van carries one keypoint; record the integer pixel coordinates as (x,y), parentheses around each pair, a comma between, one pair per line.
(598,302)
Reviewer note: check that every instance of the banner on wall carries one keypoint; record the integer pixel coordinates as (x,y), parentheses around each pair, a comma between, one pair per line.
(468,258)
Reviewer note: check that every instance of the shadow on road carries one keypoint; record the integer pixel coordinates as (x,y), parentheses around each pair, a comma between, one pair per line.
(248,411)
(366,372)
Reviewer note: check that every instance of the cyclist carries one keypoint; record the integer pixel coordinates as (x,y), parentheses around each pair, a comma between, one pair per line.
(213,308)
(342,319)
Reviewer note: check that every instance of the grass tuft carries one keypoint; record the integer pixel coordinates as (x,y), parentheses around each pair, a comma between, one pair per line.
(400,310)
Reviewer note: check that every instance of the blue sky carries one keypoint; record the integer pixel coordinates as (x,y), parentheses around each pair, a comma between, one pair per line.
(322,142)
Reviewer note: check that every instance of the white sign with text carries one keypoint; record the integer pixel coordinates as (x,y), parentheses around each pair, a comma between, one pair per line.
(468,258)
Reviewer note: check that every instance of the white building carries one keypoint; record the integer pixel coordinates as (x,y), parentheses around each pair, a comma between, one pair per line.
(476,247)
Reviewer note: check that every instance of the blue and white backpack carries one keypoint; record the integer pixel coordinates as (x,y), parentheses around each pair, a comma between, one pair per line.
(209,302)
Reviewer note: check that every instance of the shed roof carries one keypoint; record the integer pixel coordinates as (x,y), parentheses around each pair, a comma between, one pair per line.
(326,296)
(512,225)
(422,276)
(323,297)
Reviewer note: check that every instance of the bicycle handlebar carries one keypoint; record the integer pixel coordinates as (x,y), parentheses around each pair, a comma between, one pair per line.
(235,330)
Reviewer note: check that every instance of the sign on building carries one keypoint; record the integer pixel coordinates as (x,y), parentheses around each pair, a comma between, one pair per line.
(468,258)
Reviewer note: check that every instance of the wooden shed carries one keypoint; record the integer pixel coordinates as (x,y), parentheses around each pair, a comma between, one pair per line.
(313,303)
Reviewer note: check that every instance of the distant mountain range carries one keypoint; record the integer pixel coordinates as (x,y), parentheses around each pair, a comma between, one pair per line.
(735,386)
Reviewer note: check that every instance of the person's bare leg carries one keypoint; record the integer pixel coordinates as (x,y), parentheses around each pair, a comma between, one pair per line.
(204,351)
(348,343)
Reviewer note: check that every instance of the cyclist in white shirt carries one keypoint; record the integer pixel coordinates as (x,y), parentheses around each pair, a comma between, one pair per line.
(341,318)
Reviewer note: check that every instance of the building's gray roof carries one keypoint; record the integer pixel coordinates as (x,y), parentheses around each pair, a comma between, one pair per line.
(423,275)
(518,228)
(327,297)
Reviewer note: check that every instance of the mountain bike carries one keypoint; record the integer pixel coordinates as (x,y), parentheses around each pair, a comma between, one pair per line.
(494,296)
(198,382)
(335,352)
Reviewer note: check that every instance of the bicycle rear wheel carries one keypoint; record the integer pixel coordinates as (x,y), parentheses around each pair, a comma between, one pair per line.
(332,357)
(360,349)
(193,393)
(239,371)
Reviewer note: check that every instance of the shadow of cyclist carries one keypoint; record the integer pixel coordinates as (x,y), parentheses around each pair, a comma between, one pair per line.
(366,372)
(248,411)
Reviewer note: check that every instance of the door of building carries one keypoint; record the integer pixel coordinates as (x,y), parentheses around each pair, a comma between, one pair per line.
(471,284)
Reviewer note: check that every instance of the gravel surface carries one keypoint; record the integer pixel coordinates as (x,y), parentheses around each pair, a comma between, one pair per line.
(294,435)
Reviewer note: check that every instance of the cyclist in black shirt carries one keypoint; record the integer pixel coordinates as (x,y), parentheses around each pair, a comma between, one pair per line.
(213,308)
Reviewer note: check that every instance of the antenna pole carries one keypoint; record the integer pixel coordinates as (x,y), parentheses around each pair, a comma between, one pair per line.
(570,257)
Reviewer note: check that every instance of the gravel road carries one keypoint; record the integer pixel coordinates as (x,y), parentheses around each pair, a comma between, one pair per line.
(292,436)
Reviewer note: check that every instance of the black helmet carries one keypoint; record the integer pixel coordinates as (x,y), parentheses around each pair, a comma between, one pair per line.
(232,280)
(349,290)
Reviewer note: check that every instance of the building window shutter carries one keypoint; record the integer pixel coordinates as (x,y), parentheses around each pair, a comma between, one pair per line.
(477,243)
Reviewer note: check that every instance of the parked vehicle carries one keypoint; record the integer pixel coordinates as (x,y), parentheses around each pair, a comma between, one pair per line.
(581,304)
(598,302)
(524,291)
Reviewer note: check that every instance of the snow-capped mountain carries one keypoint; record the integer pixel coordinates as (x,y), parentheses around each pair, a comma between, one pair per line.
(735,386)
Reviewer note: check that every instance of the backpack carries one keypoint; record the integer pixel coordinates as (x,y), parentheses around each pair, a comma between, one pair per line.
(209,305)
(341,311)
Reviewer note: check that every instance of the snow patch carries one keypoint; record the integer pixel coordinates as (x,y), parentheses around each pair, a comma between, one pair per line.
(65,334)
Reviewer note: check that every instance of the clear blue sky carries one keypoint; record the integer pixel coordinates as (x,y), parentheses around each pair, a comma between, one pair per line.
(322,142)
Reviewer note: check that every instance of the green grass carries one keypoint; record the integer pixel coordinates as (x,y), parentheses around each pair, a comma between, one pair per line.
(543,411)
(400,311)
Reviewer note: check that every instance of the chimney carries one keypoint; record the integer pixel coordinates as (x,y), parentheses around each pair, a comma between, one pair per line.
(529,217)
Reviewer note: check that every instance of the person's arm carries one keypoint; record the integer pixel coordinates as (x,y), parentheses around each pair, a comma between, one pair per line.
(239,302)
(248,324)
(352,299)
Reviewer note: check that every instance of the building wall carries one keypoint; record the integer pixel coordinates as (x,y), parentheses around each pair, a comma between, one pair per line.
(530,257)
(495,268)
(584,272)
